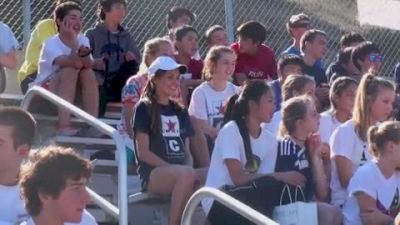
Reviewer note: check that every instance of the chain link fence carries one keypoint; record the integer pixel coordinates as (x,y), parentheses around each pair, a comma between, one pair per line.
(146,19)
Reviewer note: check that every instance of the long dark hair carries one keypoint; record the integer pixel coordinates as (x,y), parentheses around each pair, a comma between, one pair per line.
(237,109)
(150,98)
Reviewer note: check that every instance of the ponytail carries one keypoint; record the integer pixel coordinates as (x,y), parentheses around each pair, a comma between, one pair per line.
(237,109)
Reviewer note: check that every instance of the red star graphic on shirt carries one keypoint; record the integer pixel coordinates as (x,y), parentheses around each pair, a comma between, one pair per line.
(220,109)
(171,126)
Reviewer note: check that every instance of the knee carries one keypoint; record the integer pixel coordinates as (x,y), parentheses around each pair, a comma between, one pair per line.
(87,74)
(187,176)
(68,72)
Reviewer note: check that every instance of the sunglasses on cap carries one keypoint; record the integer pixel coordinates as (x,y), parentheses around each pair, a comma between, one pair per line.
(376,57)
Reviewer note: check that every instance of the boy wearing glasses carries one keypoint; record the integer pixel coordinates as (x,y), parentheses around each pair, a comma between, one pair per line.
(367,57)
(66,60)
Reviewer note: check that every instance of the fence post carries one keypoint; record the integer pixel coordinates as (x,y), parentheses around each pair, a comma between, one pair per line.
(229,19)
(26,4)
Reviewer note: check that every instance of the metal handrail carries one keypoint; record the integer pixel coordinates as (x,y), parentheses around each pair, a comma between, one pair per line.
(226,200)
(122,213)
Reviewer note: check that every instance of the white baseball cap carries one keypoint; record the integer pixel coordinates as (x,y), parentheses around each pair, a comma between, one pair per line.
(165,63)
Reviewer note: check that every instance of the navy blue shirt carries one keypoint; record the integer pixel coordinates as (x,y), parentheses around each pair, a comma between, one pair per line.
(317,73)
(168,143)
(296,51)
(292,157)
(276,87)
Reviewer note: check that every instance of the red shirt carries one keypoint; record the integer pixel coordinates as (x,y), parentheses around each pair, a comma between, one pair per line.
(195,67)
(259,66)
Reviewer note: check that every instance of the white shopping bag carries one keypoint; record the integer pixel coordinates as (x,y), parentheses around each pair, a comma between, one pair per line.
(295,213)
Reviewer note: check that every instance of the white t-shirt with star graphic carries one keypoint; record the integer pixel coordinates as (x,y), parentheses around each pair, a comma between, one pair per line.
(208,104)
(385,191)
(346,142)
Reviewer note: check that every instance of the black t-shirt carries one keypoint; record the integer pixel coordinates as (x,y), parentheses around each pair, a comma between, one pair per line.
(317,73)
(292,157)
(167,143)
(335,68)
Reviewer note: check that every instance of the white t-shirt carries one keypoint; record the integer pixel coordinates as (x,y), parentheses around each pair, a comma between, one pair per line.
(10,196)
(273,125)
(208,104)
(328,123)
(52,48)
(384,191)
(87,219)
(345,142)
(229,145)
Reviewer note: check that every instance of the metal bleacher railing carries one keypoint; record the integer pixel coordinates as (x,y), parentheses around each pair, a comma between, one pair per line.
(120,212)
(226,200)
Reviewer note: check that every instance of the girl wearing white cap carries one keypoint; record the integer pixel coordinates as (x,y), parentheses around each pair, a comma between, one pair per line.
(162,129)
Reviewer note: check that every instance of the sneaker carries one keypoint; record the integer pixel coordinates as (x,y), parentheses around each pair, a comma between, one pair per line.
(67,131)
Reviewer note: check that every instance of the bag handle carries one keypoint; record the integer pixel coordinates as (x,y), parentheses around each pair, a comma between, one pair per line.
(299,189)
(287,189)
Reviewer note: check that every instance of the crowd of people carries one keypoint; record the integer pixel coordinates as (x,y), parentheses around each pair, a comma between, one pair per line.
(238,117)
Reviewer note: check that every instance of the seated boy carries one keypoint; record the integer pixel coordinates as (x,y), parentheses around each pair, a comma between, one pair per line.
(216,35)
(177,17)
(287,65)
(116,55)
(65,61)
(53,186)
(367,57)
(297,25)
(187,45)
(255,60)
(17,131)
(314,45)
(347,40)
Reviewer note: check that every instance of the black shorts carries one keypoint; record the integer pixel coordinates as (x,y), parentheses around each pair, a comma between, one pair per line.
(262,194)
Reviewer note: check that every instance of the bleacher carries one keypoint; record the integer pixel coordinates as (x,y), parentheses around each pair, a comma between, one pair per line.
(143,208)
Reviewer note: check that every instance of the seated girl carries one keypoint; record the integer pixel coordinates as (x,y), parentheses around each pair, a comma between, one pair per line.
(161,131)
(206,107)
(348,144)
(301,150)
(133,89)
(374,188)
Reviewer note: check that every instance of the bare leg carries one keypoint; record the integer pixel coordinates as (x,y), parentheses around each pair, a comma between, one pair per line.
(329,214)
(90,92)
(64,85)
(177,181)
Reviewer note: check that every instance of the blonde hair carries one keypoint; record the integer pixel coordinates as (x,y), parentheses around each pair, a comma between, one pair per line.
(151,48)
(293,110)
(214,54)
(294,83)
(367,92)
(382,133)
